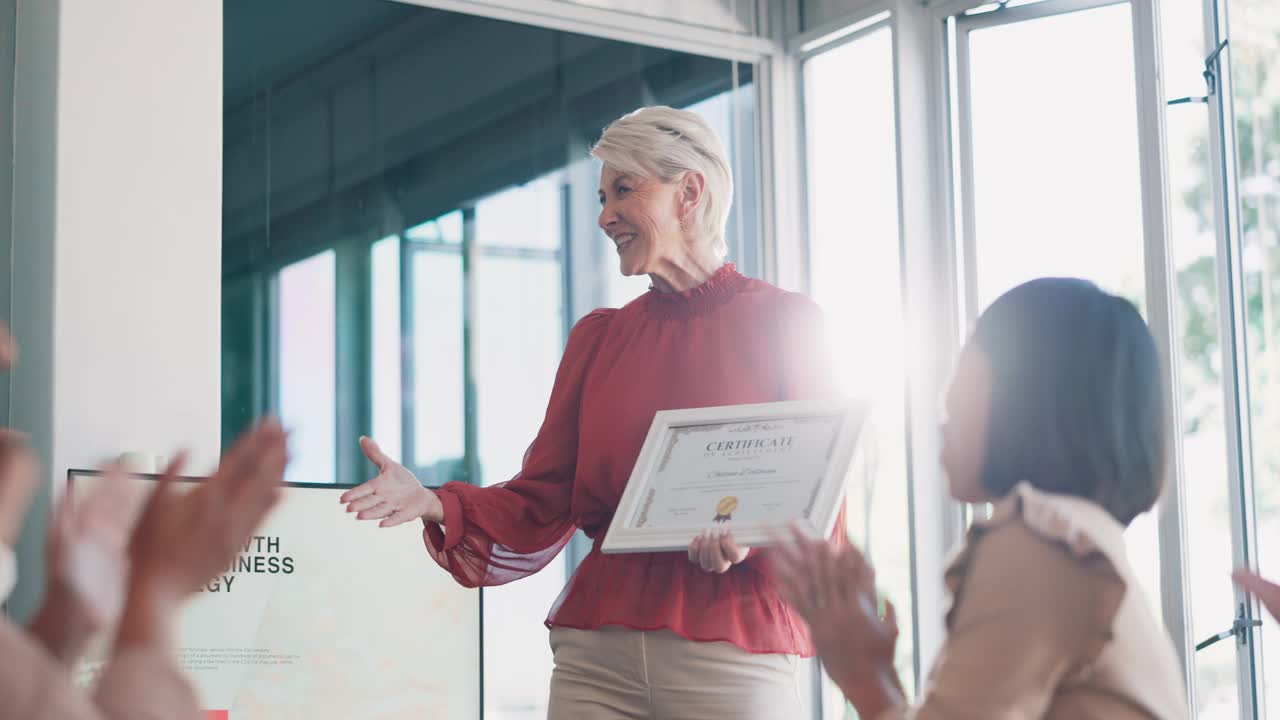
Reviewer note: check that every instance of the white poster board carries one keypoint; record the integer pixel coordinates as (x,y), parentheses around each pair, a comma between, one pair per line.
(324,616)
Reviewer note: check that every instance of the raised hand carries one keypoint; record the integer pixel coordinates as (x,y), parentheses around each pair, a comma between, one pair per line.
(19,476)
(715,551)
(394,496)
(19,469)
(183,539)
(1267,592)
(88,565)
(8,349)
(89,545)
(834,590)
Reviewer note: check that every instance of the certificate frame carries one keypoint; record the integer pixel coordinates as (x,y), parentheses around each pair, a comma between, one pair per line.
(819,512)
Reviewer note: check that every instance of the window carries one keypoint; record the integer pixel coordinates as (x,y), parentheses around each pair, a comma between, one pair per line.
(1053,177)
(417,185)
(1073,205)
(438,400)
(1051,186)
(519,327)
(854,271)
(385,343)
(305,337)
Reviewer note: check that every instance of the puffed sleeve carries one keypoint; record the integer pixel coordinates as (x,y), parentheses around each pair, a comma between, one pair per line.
(496,534)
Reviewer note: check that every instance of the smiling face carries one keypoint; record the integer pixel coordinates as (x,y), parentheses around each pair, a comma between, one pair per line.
(964,433)
(641,215)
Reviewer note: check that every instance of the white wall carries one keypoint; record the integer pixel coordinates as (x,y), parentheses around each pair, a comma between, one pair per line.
(139,228)
(117,256)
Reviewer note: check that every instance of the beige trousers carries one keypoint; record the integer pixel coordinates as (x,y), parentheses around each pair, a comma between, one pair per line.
(616,674)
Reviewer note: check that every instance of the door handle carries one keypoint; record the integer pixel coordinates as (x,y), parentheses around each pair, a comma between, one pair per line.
(1210,80)
(1239,628)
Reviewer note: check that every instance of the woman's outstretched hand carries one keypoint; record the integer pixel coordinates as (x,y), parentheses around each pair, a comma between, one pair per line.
(394,496)
(834,590)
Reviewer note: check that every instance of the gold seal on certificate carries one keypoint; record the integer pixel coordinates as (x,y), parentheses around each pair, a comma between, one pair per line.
(750,468)
(725,508)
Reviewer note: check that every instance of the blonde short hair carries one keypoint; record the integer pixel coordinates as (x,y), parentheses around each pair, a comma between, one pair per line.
(665,143)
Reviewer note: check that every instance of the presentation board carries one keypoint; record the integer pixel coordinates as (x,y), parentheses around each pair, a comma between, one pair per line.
(324,616)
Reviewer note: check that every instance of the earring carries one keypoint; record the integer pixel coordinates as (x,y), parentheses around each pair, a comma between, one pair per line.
(682,227)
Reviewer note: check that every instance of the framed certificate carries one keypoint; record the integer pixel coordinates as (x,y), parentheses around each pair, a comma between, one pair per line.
(749,468)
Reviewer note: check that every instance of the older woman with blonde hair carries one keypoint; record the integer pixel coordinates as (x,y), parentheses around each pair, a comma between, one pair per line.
(657,635)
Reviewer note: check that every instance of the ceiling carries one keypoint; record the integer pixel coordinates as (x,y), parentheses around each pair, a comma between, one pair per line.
(275,39)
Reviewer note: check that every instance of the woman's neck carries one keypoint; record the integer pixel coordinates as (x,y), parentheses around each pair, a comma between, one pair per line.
(684,273)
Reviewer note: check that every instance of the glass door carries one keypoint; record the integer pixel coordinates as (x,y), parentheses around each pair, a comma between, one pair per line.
(1059,168)
(1222,671)
(1050,171)
(1244,115)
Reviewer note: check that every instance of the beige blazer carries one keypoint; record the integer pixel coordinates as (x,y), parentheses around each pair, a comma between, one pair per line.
(1048,621)
(136,685)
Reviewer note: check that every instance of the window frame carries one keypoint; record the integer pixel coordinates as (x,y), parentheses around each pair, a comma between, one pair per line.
(871,19)
(1233,324)
(926,252)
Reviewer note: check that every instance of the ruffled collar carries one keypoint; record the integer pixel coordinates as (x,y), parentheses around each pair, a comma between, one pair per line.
(1089,534)
(722,285)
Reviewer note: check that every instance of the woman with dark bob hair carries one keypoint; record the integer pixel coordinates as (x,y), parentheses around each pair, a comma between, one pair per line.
(1056,414)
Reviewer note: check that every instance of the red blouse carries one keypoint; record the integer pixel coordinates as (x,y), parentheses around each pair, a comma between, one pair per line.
(734,340)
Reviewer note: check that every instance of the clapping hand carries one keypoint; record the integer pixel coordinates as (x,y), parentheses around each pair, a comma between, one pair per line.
(88,564)
(183,539)
(834,590)
(89,545)
(19,476)
(19,470)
